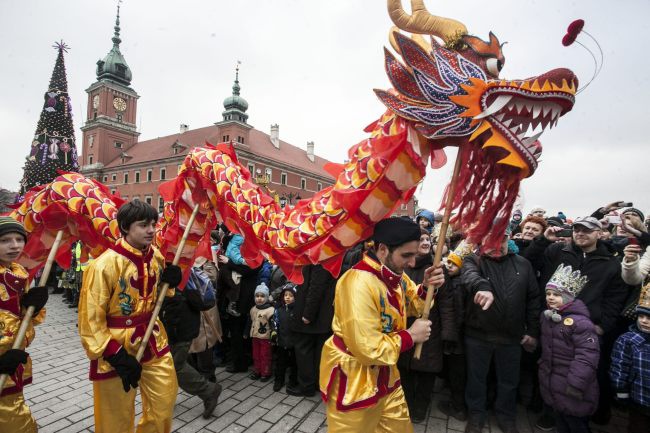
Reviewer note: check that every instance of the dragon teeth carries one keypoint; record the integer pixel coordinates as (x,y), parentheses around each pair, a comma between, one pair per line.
(498,104)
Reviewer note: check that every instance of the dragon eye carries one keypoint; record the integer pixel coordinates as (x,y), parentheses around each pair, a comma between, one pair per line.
(493,66)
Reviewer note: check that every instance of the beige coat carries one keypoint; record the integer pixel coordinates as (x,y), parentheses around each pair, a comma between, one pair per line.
(261,321)
(210,331)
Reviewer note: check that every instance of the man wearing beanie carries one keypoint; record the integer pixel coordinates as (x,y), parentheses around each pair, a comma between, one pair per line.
(15,298)
(359,379)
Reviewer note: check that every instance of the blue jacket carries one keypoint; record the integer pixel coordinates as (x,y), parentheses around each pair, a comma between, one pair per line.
(630,370)
(233,252)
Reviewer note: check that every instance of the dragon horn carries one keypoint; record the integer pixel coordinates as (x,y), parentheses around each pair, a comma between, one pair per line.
(422,22)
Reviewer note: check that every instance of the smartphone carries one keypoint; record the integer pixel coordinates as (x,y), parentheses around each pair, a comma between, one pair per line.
(614,219)
(564,233)
(625,204)
(632,241)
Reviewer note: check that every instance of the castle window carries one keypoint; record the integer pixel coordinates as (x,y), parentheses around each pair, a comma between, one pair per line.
(105,179)
(112,191)
(95,115)
(225,138)
(251,168)
(149,175)
(114,177)
(161,204)
(137,177)
(90,159)
(126,178)
(303,183)
(405,206)
(119,117)
(319,186)
(283,179)
(147,199)
(163,173)
(118,144)
(136,198)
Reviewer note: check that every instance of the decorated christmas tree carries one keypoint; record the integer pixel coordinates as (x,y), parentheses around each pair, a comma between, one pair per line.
(53,147)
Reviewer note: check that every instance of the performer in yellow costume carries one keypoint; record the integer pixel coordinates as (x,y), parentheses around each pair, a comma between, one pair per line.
(15,416)
(359,379)
(118,295)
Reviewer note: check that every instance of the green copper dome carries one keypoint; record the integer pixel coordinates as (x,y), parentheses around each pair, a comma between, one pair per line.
(235,106)
(113,66)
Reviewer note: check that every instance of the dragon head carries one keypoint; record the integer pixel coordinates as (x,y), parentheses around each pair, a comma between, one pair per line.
(454,90)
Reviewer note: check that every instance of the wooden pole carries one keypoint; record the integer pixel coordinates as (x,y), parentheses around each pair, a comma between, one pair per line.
(163,289)
(428,302)
(27,318)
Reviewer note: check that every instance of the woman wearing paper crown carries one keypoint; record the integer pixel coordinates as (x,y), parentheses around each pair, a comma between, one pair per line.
(630,371)
(570,353)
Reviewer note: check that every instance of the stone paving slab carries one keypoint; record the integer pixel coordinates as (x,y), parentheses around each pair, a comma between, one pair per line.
(61,395)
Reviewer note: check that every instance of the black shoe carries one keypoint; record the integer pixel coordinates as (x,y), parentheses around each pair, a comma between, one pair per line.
(254,376)
(210,404)
(419,414)
(507,426)
(232,369)
(265,378)
(299,392)
(546,422)
(450,410)
(473,427)
(277,385)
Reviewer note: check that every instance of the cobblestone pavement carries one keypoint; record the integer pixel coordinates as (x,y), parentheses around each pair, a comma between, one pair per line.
(61,396)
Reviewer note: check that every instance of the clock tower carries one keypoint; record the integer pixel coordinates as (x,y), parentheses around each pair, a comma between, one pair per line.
(110,128)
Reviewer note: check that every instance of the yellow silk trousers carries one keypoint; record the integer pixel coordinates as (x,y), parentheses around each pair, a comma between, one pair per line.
(115,409)
(15,416)
(390,415)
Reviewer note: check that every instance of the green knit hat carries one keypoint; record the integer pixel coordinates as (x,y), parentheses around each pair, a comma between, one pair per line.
(10,225)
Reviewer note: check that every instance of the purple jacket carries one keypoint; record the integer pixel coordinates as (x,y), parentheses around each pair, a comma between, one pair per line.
(570,352)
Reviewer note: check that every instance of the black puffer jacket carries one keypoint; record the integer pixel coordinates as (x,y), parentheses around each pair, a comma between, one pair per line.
(517,303)
(281,324)
(442,319)
(605,292)
(314,301)
(181,315)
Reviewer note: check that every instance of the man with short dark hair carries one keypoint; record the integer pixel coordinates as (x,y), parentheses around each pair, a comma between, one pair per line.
(118,296)
(359,379)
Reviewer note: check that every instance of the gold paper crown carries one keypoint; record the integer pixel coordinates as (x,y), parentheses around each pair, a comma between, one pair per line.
(460,252)
(565,279)
(644,300)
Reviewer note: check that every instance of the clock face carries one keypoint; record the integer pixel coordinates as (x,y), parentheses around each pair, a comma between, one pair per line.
(96,101)
(119,104)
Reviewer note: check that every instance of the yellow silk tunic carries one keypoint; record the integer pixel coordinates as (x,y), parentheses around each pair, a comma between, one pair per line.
(13,282)
(370,309)
(117,297)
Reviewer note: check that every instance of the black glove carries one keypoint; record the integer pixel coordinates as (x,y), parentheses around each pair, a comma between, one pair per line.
(36,297)
(10,359)
(127,367)
(171,275)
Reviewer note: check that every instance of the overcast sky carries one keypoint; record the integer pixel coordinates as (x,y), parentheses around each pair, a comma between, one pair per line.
(310,66)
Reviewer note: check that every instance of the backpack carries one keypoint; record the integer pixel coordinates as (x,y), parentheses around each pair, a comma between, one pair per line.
(200,282)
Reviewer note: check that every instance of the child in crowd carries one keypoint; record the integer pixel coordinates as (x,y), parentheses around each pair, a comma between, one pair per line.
(233,253)
(259,329)
(630,370)
(454,353)
(282,338)
(570,353)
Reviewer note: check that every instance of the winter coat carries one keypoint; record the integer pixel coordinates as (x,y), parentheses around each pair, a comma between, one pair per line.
(570,354)
(233,252)
(517,303)
(605,292)
(210,331)
(454,333)
(630,370)
(441,317)
(314,301)
(247,285)
(635,272)
(281,325)
(259,324)
(181,315)
(264,276)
